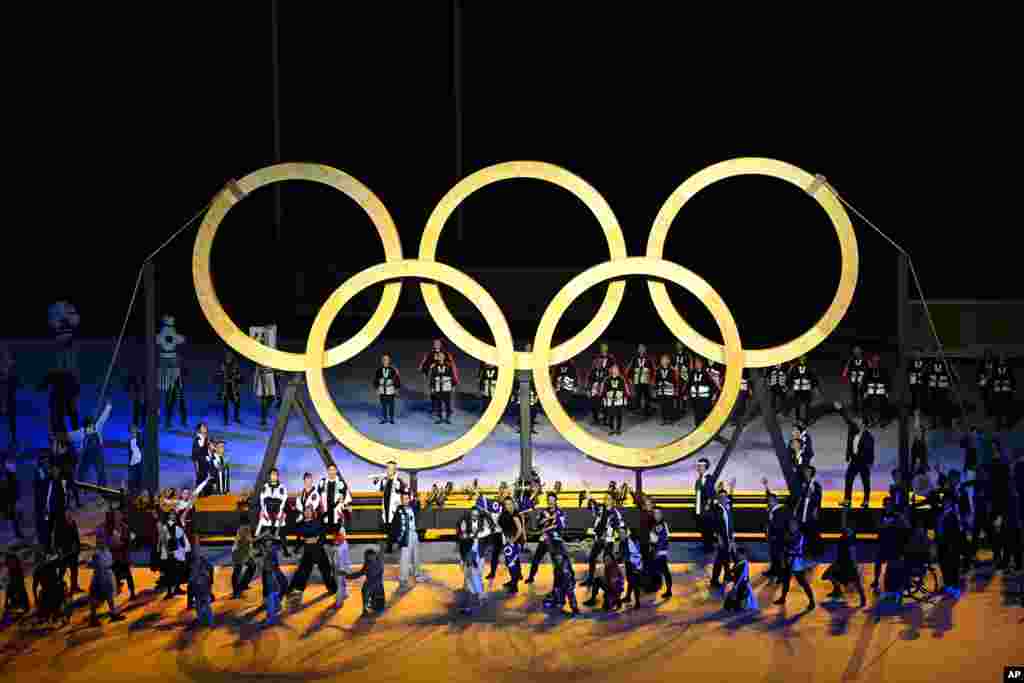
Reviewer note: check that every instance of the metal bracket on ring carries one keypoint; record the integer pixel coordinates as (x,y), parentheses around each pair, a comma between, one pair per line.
(237,192)
(816,184)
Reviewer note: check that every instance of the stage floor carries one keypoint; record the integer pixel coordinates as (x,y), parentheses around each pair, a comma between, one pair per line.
(423,637)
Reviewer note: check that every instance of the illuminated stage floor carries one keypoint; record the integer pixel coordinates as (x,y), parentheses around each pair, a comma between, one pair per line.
(423,637)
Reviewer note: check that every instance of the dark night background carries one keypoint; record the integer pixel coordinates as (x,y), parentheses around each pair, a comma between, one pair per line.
(159,109)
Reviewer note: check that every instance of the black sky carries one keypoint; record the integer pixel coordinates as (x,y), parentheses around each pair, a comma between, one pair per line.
(150,112)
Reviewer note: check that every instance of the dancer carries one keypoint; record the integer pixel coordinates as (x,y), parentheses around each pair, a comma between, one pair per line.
(741,596)
(171,373)
(334,499)
(893,532)
(135,459)
(796,566)
(200,453)
(809,510)
(90,439)
(387,382)
(16,597)
(513,530)
(704,496)
(703,391)
(860,454)
(68,544)
(775,531)
(949,539)
(229,386)
(667,388)
(175,554)
(101,589)
(778,387)
(802,382)
(725,541)
(565,586)
(939,387)
(64,388)
(471,529)
(640,372)
(310,537)
(342,566)
(9,385)
(407,537)
(853,373)
(611,583)
(607,522)
(200,586)
(876,394)
(492,508)
(659,545)
(119,539)
(273,497)
(274,582)
(616,396)
(552,526)
(392,487)
(844,571)
(373,586)
(682,363)
(220,471)
(243,561)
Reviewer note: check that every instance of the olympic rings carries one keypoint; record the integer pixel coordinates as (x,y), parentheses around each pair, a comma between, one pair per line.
(354,440)
(613,454)
(536,170)
(503,355)
(756,358)
(218,317)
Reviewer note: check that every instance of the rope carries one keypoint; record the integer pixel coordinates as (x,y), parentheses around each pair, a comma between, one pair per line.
(131,303)
(920,291)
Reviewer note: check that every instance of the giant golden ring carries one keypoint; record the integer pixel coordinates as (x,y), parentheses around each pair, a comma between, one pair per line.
(218,317)
(757,358)
(623,456)
(353,439)
(536,170)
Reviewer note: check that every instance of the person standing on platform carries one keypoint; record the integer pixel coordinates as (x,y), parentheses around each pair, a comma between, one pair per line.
(273,497)
(667,387)
(90,438)
(853,373)
(487,379)
(334,499)
(229,387)
(200,453)
(310,537)
(876,394)
(796,565)
(1003,388)
(566,381)
(939,391)
(682,363)
(778,387)
(860,454)
(442,378)
(917,381)
(802,383)
(135,446)
(387,382)
(704,496)
(986,368)
(172,382)
(616,394)
(639,372)
(703,391)
(392,487)
(598,376)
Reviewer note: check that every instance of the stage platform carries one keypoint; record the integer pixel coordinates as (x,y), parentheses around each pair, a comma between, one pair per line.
(422,636)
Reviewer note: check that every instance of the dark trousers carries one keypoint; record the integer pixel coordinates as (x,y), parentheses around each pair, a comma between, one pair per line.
(387,408)
(1012,550)
(679,404)
(172,397)
(611,600)
(313,554)
(939,408)
(1002,408)
(949,561)
(642,398)
(779,403)
(660,567)
(442,404)
(615,418)
(231,402)
(71,566)
(723,560)
(44,532)
(543,548)
(701,408)
(139,413)
(856,397)
(241,577)
(876,409)
(9,407)
(918,397)
(595,554)
(801,578)
(598,409)
(388,529)
(668,409)
(853,470)
(775,548)
(11,512)
(123,573)
(61,409)
(92,458)
(497,542)
(704,525)
(802,405)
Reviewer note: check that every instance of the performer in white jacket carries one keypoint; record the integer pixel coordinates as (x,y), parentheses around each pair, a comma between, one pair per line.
(392,487)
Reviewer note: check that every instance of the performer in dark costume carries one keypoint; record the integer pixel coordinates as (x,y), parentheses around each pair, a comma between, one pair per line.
(659,554)
(442,378)
(229,386)
(949,539)
(172,374)
(392,487)
(986,368)
(667,388)
(739,411)
(939,388)
(725,538)
(917,380)
(333,499)
(373,587)
(853,373)
(802,382)
(616,396)
(426,368)
(67,543)
(775,531)
(607,523)
(487,378)
(566,381)
(682,363)
(741,597)
(704,498)
(640,372)
(9,385)
(808,511)
(275,584)
(598,376)
(273,497)
(16,596)
(703,391)
(893,532)
(876,394)
(552,526)
(610,582)
(565,586)
(387,382)
(796,565)
(119,539)
(513,530)
(201,453)
(860,454)
(90,438)
(491,508)
(778,387)
(135,387)
(9,493)
(310,537)
(1003,388)
(63,400)
(844,571)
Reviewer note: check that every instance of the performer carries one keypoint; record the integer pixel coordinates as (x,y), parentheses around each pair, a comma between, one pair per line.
(57,500)
(1003,387)
(135,458)
(119,539)
(309,497)
(778,386)
(175,554)
(667,388)
(611,583)
(342,567)
(775,531)
(64,320)
(442,378)
(171,373)
(893,533)
(9,492)
(220,471)
(513,530)
(427,362)
(566,381)
(616,396)
(9,385)
(200,586)
(876,394)
(201,453)
(860,454)
(939,386)
(229,386)
(68,543)
(243,561)
(659,545)
(704,496)
(101,589)
(986,368)
(309,536)
(607,523)
(598,376)
(808,509)
(565,586)
(408,539)
(725,542)
(274,581)
(373,586)
(949,539)
(90,439)
(802,382)
(552,526)
(492,508)
(333,499)
(682,363)
(273,497)
(703,391)
(741,596)
(64,389)
(392,487)
(853,373)
(16,598)
(799,453)
(640,372)
(844,571)
(917,380)
(633,559)
(387,381)
(796,565)
(487,376)
(473,526)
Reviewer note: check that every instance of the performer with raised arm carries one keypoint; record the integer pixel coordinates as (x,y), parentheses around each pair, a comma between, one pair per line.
(229,387)
(273,497)
(703,391)
(172,382)
(775,531)
(640,372)
(607,523)
(392,487)
(802,383)
(853,373)
(90,440)
(387,382)
(796,565)
(667,388)
(860,454)
(616,393)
